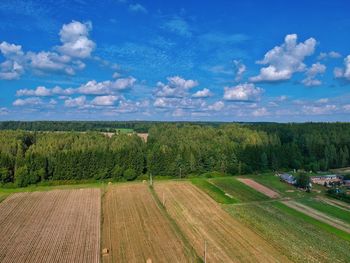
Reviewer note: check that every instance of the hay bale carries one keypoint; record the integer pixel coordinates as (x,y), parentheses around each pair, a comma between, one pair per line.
(149,260)
(105,251)
(109,183)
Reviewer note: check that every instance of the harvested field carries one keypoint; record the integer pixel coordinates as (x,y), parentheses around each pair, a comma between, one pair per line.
(260,188)
(202,219)
(54,226)
(135,229)
(318,215)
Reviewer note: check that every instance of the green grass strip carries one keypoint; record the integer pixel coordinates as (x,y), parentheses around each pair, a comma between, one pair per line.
(213,191)
(339,233)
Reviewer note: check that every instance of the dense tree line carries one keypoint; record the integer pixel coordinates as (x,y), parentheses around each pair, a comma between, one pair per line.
(173,149)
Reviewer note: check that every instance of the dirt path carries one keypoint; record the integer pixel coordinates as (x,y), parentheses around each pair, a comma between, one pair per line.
(260,188)
(134,229)
(318,215)
(202,219)
(337,203)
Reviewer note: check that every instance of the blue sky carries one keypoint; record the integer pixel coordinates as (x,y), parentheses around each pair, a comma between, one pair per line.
(175,60)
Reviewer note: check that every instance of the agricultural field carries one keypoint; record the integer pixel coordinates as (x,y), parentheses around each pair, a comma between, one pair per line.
(299,239)
(135,229)
(202,220)
(238,190)
(53,226)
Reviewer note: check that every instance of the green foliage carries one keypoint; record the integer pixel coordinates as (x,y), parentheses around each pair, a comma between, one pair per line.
(303,180)
(130,174)
(213,191)
(21,176)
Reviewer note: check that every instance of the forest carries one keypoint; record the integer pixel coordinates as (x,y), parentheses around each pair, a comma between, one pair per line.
(29,156)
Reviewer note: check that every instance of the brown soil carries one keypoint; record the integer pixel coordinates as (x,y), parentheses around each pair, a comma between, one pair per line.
(260,188)
(202,219)
(136,230)
(54,226)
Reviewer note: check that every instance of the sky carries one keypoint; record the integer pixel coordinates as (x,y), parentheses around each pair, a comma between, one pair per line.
(279,61)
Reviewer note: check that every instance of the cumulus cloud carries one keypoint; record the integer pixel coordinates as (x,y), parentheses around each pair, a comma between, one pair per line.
(92,87)
(260,112)
(283,61)
(312,72)
(331,54)
(104,100)
(204,93)
(240,69)
(243,92)
(75,46)
(343,73)
(75,40)
(75,102)
(319,110)
(216,106)
(33,101)
(176,87)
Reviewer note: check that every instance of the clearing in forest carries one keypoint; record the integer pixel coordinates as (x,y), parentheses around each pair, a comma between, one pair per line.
(135,228)
(202,220)
(260,188)
(54,226)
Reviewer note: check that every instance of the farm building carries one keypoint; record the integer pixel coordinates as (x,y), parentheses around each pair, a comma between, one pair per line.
(322,179)
(288,178)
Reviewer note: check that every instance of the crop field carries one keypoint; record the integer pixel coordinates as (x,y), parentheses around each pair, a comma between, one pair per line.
(329,209)
(135,229)
(202,220)
(238,190)
(295,237)
(54,226)
(259,187)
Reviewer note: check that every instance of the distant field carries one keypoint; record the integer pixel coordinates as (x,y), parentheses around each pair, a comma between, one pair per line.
(201,219)
(276,184)
(328,209)
(134,228)
(238,190)
(54,226)
(214,192)
(296,238)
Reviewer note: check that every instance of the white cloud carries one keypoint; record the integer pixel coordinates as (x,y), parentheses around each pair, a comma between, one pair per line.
(93,87)
(331,54)
(75,40)
(205,93)
(4,111)
(283,61)
(138,8)
(104,100)
(12,67)
(176,87)
(343,73)
(240,69)
(75,102)
(323,100)
(33,101)
(260,112)
(243,92)
(319,110)
(312,72)
(217,106)
(39,91)
(178,113)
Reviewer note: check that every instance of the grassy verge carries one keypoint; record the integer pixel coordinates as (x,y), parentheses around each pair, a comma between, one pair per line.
(328,209)
(213,191)
(188,247)
(313,221)
(238,190)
